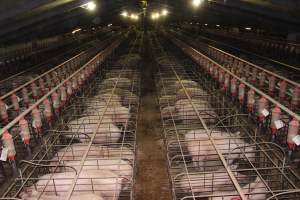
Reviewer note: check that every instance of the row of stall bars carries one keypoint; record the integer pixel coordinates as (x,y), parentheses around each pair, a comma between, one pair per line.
(70,146)
(213,151)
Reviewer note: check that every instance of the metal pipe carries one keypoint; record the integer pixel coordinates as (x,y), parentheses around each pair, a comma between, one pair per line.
(101,55)
(187,48)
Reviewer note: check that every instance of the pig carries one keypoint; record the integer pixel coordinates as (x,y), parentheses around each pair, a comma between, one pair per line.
(123,83)
(76,151)
(165,85)
(201,149)
(118,115)
(187,114)
(101,182)
(168,112)
(192,92)
(129,98)
(118,166)
(166,99)
(193,134)
(185,104)
(97,108)
(107,132)
(186,84)
(256,191)
(91,105)
(112,98)
(201,182)
(126,97)
(34,195)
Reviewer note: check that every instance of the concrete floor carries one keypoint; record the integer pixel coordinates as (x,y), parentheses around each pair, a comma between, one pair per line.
(152,181)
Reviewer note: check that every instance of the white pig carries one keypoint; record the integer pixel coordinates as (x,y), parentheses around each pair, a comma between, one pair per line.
(76,151)
(101,182)
(34,195)
(109,96)
(201,149)
(166,99)
(186,84)
(118,166)
(205,182)
(192,92)
(95,102)
(107,132)
(122,83)
(118,115)
(256,190)
(185,110)
(127,97)
(168,111)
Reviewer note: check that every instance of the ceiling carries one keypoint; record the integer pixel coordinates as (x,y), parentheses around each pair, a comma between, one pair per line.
(25,19)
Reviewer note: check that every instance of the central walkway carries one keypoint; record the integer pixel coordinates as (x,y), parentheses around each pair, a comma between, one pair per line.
(152,181)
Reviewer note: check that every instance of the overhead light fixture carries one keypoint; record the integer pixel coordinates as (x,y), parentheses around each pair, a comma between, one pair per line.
(124,14)
(89,6)
(109,25)
(248,28)
(164,12)
(196,3)
(76,30)
(205,24)
(217,25)
(155,15)
(134,16)
(131,16)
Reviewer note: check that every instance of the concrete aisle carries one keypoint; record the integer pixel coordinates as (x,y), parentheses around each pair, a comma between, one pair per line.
(152,181)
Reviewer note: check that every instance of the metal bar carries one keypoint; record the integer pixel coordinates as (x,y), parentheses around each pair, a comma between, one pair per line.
(27,111)
(189,50)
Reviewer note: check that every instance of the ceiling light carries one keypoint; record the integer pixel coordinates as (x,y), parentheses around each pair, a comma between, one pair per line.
(124,14)
(196,3)
(164,12)
(217,25)
(205,24)
(89,6)
(248,28)
(155,16)
(76,30)
(134,16)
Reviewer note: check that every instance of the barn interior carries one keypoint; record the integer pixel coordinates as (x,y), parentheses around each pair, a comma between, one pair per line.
(150,99)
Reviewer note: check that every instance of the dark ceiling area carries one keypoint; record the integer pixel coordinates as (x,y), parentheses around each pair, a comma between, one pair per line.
(26,19)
